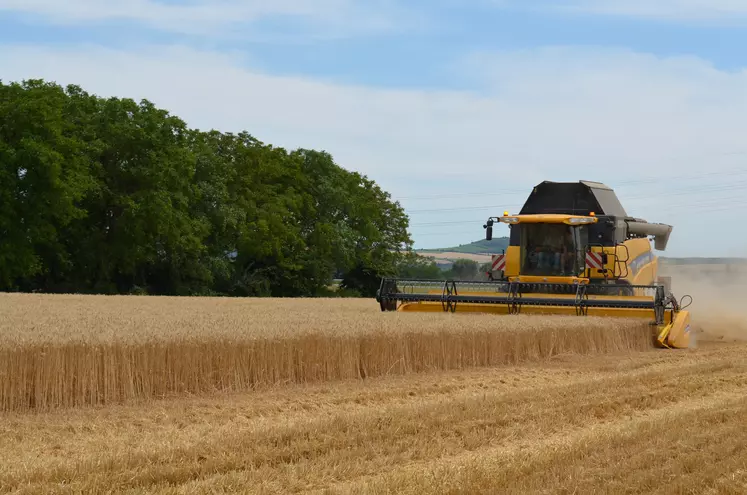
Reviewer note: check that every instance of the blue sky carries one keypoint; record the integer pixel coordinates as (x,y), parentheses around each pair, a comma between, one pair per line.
(456,108)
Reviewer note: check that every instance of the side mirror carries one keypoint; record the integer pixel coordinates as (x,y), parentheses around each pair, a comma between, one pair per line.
(489,230)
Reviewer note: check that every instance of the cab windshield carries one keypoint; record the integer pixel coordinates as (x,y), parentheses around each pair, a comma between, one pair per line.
(549,249)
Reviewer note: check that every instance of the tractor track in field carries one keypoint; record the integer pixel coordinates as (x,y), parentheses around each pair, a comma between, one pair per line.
(645,422)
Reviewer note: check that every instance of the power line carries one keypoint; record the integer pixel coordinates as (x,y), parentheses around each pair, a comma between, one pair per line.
(710,204)
(460,209)
(691,190)
(713,204)
(617,185)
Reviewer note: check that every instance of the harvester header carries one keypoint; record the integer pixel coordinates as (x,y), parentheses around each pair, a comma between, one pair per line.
(573,249)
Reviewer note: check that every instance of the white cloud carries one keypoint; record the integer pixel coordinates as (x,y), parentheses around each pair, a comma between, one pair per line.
(559,114)
(224,17)
(690,10)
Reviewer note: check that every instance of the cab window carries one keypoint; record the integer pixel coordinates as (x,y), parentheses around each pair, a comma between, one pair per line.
(548,249)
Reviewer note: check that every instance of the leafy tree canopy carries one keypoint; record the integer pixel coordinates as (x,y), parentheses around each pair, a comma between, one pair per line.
(117,196)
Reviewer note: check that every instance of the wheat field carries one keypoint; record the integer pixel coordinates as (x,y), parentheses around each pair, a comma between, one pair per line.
(166,395)
(68,351)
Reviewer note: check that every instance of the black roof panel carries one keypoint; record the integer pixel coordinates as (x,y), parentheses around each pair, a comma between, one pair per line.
(573,198)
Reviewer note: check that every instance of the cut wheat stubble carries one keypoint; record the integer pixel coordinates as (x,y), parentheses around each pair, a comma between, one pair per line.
(69,351)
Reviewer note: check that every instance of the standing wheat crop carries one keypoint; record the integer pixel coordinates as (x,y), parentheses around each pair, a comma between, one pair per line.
(67,351)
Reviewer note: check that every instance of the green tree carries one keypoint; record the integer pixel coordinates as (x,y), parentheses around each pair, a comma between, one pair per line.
(45,170)
(382,237)
(464,269)
(117,196)
(414,266)
(351,227)
(267,190)
(140,231)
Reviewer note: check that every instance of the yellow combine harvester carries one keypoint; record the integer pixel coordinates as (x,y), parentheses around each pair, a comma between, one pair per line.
(573,250)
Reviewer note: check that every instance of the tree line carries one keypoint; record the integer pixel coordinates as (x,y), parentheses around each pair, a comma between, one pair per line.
(424,268)
(113,196)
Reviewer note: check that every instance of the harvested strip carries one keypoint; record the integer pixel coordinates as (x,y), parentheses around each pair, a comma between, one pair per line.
(674,449)
(331,440)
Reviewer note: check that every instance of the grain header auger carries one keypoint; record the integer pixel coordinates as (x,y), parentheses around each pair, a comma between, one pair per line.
(573,250)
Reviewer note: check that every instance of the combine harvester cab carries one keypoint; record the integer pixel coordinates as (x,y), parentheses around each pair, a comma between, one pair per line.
(573,250)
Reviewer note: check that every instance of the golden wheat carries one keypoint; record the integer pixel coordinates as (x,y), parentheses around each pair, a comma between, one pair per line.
(64,351)
(668,421)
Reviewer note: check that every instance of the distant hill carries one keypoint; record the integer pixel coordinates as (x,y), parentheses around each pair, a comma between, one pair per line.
(497,245)
(478,251)
(481,250)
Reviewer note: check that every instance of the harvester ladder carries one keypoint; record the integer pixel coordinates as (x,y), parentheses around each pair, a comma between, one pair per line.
(617,263)
(621,263)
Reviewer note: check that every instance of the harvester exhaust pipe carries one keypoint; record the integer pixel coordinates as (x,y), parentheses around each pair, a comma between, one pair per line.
(659,231)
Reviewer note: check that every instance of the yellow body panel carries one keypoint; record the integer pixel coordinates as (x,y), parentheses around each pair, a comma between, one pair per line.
(513,261)
(677,334)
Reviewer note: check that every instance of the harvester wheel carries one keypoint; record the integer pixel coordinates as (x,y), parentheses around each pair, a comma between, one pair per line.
(388,304)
